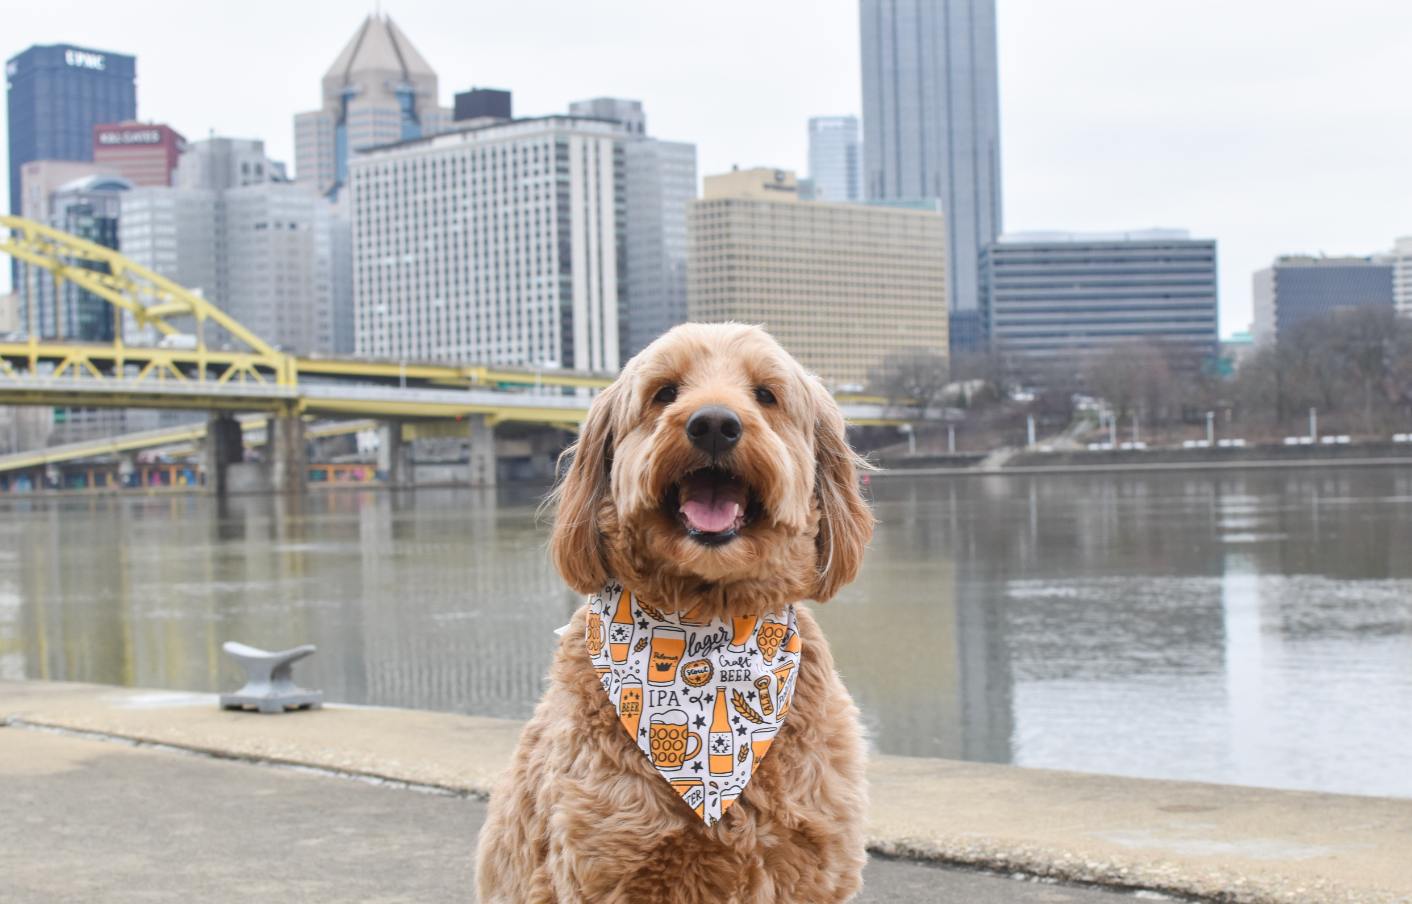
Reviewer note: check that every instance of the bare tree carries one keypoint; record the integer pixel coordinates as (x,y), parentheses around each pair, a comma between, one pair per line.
(911,375)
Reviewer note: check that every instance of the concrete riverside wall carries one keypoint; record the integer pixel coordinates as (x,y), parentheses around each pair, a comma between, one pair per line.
(1313,454)
(1213,842)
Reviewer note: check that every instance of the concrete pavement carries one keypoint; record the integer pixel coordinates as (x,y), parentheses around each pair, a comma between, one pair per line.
(83,820)
(1203,841)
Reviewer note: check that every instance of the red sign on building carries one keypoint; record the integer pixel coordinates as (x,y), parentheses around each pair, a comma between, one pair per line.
(146,153)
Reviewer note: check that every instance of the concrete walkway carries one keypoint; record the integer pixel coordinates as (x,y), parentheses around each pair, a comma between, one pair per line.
(204,820)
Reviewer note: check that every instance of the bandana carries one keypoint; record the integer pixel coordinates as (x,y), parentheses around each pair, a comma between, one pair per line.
(701,699)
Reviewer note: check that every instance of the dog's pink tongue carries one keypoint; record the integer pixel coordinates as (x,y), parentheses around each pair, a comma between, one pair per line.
(711,515)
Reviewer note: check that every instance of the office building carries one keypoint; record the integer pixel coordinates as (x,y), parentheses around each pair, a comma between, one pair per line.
(379,91)
(10,314)
(256,245)
(1297,288)
(661,179)
(839,285)
(835,158)
(503,244)
(482,103)
(142,153)
(56,95)
(1400,259)
(1052,294)
(931,126)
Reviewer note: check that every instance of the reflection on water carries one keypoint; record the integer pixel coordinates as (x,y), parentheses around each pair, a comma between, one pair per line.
(1251,627)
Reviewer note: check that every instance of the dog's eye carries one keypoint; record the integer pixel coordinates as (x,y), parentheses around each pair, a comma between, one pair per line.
(764,396)
(666,395)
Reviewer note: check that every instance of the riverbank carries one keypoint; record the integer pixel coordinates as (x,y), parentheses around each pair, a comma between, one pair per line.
(1213,842)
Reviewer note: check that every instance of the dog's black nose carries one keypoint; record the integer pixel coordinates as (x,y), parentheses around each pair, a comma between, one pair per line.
(713,429)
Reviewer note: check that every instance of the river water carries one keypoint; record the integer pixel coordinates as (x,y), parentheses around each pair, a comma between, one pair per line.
(1250,627)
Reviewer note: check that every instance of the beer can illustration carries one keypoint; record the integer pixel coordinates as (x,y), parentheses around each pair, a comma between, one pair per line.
(760,740)
(630,705)
(663,657)
(693,792)
(620,631)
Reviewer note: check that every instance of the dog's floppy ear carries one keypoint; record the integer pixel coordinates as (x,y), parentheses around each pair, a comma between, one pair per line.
(845,521)
(576,545)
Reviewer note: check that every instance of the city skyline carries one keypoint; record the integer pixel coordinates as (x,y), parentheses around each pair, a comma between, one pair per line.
(1222,123)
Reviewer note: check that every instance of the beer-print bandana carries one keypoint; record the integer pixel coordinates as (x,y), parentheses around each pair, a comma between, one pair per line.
(702,699)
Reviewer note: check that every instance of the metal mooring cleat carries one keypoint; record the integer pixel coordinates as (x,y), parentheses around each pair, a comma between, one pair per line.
(268,686)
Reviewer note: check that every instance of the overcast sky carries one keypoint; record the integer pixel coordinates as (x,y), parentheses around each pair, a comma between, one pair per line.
(1273,126)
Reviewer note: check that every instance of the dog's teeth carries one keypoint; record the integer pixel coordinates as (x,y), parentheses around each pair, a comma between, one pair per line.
(736,513)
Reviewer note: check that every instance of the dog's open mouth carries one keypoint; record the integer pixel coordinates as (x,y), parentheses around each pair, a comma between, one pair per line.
(712,504)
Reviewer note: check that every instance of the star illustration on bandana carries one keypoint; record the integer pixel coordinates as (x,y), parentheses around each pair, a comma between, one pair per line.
(700,700)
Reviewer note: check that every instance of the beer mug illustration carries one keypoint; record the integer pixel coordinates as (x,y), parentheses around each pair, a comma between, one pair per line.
(668,644)
(620,631)
(760,740)
(671,742)
(728,797)
(744,627)
(630,705)
(595,632)
(604,678)
(770,637)
(693,792)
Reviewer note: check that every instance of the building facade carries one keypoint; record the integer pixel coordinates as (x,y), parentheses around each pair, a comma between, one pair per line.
(835,158)
(1400,259)
(839,285)
(254,244)
(1057,294)
(379,91)
(143,153)
(1297,288)
(56,95)
(502,244)
(931,125)
(661,179)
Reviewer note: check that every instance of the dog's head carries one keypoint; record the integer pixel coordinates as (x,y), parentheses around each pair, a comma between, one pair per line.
(714,475)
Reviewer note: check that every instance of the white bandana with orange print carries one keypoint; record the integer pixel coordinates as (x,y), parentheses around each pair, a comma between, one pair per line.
(701,699)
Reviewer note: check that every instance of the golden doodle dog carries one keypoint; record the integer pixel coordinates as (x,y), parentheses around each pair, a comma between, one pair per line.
(711,486)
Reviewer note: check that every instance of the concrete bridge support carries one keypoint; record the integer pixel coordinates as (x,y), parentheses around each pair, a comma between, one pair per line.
(481,468)
(393,466)
(224,446)
(287,452)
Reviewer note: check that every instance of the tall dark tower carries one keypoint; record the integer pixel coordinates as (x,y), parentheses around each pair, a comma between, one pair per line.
(57,94)
(931,128)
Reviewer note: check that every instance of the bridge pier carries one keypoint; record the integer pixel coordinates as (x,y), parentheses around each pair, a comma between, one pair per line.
(481,468)
(224,446)
(287,452)
(393,468)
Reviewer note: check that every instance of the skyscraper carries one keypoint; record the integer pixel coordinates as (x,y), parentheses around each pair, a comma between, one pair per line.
(931,126)
(379,91)
(833,157)
(56,95)
(661,179)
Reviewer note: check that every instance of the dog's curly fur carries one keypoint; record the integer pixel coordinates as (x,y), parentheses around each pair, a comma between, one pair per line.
(582,815)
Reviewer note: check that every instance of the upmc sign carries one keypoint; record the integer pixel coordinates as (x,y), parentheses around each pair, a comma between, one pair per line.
(84,60)
(131,136)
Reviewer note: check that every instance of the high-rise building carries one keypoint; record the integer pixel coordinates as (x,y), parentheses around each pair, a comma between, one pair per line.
(1297,288)
(144,153)
(661,179)
(379,91)
(931,126)
(839,285)
(56,95)
(1052,294)
(1400,259)
(253,243)
(834,158)
(503,243)
(482,103)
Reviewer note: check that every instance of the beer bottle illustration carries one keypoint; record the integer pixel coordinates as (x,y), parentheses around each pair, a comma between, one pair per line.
(620,631)
(630,705)
(721,745)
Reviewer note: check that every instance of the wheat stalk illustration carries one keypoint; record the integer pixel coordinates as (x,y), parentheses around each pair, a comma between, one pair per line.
(641,645)
(744,749)
(738,701)
(651,612)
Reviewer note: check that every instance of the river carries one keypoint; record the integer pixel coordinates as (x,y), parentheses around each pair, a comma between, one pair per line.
(1250,627)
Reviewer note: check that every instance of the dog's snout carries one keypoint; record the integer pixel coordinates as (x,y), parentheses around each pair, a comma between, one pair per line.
(714,429)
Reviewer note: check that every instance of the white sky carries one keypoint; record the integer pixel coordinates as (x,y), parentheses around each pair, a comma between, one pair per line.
(1274,126)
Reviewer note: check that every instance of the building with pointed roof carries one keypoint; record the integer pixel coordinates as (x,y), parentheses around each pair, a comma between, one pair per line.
(379,91)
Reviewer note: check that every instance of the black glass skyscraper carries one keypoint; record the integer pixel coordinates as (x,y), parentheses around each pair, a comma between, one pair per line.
(931,126)
(57,94)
